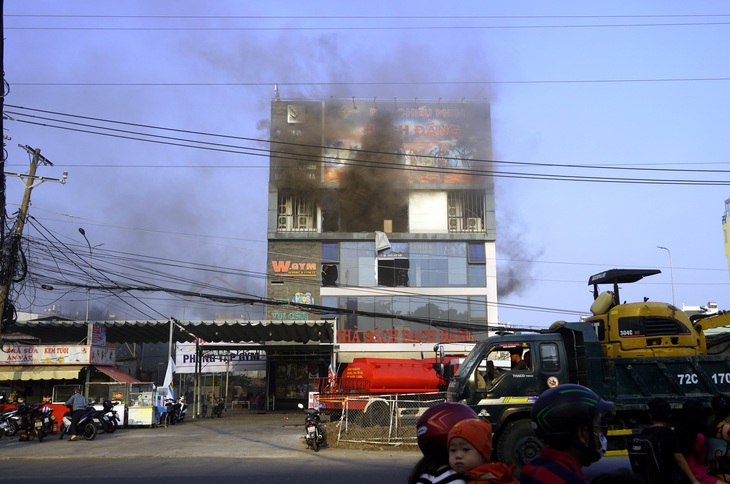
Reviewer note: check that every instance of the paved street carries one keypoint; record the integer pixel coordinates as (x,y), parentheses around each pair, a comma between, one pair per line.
(262,447)
(240,433)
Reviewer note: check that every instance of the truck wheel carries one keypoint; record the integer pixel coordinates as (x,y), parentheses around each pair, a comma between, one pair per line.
(518,444)
(377,414)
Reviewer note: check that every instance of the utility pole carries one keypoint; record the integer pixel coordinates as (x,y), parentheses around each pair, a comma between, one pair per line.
(2,129)
(11,248)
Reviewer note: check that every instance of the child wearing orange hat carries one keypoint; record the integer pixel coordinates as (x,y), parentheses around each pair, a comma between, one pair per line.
(470,448)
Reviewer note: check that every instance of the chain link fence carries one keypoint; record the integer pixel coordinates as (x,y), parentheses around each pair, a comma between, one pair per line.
(385,419)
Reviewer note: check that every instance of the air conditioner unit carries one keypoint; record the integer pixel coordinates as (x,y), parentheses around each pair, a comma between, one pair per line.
(284,223)
(455,211)
(285,206)
(305,222)
(454,224)
(474,224)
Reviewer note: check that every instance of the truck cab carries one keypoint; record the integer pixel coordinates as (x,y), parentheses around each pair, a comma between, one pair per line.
(505,393)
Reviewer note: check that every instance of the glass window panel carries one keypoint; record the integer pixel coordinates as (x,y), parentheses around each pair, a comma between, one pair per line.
(477,254)
(366,304)
(549,357)
(477,308)
(458,309)
(456,271)
(330,252)
(329,302)
(366,272)
(477,275)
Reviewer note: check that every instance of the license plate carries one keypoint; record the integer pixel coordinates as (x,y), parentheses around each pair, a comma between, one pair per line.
(46,420)
(96,420)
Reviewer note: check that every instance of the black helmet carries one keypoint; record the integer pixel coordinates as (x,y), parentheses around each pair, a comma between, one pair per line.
(562,409)
(432,429)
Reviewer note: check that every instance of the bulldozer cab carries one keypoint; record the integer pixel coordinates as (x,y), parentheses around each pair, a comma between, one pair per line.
(640,329)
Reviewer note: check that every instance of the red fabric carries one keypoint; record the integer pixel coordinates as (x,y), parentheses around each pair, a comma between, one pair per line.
(552,467)
(493,472)
(696,461)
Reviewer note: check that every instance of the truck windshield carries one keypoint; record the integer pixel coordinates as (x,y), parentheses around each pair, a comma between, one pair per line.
(471,360)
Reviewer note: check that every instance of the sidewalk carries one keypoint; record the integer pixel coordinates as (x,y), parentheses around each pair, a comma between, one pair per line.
(238,433)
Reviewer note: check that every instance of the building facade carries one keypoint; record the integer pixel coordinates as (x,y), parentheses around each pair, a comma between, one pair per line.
(381,216)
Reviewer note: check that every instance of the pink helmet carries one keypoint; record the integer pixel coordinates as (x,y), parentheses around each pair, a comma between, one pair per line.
(432,429)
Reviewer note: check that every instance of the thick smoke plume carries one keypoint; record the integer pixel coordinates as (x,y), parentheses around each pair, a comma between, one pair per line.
(371,186)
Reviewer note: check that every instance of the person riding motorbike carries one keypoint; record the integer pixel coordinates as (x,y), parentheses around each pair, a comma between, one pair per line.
(78,404)
(568,419)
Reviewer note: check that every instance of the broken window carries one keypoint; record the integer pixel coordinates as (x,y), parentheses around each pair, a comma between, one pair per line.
(393,271)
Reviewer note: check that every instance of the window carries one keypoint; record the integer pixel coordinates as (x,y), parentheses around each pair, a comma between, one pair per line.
(549,358)
(330,269)
(296,214)
(393,271)
(476,253)
(465,211)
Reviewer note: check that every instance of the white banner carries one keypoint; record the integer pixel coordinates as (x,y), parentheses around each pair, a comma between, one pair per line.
(217,361)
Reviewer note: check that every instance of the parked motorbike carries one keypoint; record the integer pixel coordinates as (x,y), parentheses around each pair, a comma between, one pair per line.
(111,416)
(87,426)
(108,419)
(41,420)
(314,434)
(10,422)
(175,411)
(183,408)
(218,409)
(35,421)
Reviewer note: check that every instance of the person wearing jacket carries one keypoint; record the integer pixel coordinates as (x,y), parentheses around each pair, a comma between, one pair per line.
(568,419)
(78,404)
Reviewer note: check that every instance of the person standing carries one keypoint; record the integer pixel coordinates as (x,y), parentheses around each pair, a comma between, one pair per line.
(78,404)
(568,419)
(691,431)
(676,470)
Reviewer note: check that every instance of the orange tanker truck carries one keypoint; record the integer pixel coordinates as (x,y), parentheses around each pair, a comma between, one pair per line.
(368,386)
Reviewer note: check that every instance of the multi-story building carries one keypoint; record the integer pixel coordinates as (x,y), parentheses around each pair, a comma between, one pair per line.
(381,217)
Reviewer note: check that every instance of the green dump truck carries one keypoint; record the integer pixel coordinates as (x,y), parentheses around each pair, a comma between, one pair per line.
(575,352)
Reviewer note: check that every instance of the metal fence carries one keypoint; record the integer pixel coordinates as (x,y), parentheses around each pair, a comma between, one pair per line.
(385,419)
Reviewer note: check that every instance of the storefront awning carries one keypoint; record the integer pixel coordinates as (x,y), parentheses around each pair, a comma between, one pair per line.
(39,372)
(263,331)
(117,374)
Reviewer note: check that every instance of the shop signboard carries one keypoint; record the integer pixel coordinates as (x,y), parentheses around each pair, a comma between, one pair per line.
(20,354)
(217,361)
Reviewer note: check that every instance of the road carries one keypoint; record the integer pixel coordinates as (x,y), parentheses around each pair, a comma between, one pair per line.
(243,446)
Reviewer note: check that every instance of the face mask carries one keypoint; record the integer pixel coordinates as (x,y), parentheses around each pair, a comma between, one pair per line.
(590,454)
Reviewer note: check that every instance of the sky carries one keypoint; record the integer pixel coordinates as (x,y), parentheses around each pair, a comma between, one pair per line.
(609,131)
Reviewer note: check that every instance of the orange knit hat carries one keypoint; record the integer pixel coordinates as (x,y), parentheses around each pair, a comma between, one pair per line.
(476,431)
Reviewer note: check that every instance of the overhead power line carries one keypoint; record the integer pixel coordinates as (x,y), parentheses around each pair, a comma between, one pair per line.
(351,28)
(283,151)
(374,83)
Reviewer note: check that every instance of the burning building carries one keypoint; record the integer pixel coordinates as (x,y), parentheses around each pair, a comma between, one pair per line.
(381,216)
